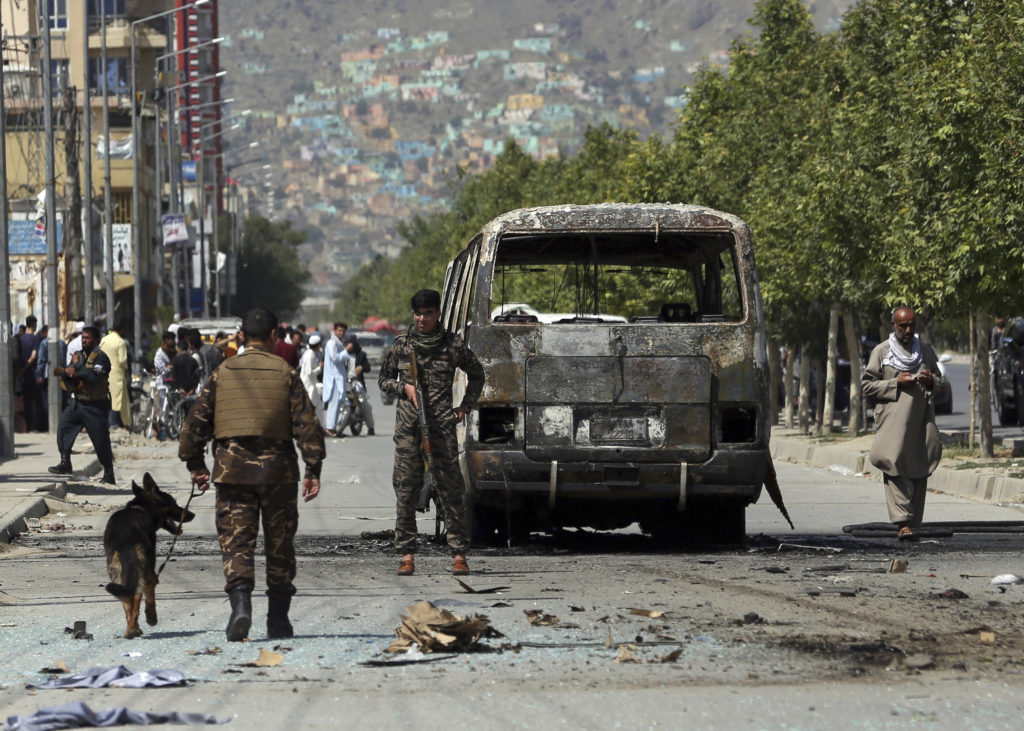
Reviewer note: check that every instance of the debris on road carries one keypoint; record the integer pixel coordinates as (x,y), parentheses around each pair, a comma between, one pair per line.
(266,659)
(58,668)
(898,566)
(433,629)
(79,715)
(1007,580)
(78,631)
(627,653)
(952,594)
(920,661)
(840,590)
(490,590)
(116,677)
(206,651)
(650,613)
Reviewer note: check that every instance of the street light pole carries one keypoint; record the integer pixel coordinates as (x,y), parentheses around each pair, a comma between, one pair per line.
(136,237)
(6,331)
(90,292)
(52,296)
(108,217)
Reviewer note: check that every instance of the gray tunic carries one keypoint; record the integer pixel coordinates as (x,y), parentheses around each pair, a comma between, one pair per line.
(906,438)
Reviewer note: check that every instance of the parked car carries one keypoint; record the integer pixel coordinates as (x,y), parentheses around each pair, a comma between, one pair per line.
(1008,374)
(942,395)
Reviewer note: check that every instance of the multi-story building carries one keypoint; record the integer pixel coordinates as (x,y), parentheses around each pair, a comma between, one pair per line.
(91,50)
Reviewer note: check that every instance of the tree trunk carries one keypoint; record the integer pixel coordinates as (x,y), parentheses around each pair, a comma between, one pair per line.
(983,383)
(819,393)
(74,281)
(853,348)
(831,356)
(774,380)
(804,405)
(787,387)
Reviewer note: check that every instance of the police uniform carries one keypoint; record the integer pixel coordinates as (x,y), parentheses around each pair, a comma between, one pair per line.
(253,407)
(89,406)
(436,371)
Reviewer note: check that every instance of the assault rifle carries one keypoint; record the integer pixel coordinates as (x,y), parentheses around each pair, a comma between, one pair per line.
(427,490)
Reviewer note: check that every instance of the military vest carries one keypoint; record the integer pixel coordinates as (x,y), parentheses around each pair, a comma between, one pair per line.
(253,397)
(99,389)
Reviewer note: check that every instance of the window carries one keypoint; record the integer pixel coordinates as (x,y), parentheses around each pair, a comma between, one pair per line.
(113,8)
(116,72)
(58,14)
(59,68)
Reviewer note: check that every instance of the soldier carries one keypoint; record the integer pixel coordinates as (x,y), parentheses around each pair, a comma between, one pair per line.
(438,353)
(86,377)
(252,407)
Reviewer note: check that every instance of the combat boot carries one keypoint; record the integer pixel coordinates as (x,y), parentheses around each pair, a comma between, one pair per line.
(108,476)
(241,614)
(278,626)
(63,468)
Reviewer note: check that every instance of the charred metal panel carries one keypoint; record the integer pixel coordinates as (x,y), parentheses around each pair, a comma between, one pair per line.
(611,380)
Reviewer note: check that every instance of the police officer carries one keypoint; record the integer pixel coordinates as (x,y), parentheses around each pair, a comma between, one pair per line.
(87,378)
(253,407)
(438,353)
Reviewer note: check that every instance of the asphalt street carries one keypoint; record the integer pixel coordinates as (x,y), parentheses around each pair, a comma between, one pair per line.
(755,649)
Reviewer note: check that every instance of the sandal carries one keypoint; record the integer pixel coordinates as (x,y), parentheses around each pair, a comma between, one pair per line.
(906,533)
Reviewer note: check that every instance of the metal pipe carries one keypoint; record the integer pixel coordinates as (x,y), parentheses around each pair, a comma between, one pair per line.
(6,329)
(87,243)
(52,296)
(108,212)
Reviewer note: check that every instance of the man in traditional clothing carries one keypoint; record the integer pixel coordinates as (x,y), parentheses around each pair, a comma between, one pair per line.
(335,373)
(899,377)
(116,349)
(310,372)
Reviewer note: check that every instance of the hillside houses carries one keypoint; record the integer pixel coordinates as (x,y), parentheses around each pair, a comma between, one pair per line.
(373,136)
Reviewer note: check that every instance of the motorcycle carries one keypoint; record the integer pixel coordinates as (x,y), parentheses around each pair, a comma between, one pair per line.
(350,415)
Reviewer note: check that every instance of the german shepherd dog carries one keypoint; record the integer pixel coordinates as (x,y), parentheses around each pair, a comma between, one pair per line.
(130,544)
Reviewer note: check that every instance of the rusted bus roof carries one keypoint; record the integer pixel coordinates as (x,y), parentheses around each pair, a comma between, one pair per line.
(612,217)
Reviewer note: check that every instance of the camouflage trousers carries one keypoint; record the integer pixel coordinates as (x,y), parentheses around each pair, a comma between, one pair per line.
(239,509)
(449,487)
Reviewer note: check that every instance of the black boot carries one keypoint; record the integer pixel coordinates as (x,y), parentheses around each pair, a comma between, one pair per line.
(241,614)
(64,468)
(108,475)
(278,626)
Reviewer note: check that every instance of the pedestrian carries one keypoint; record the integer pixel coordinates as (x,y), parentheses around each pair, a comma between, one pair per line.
(116,348)
(89,406)
(284,348)
(358,369)
(311,371)
(906,449)
(437,353)
(75,344)
(185,369)
(28,356)
(42,377)
(335,374)
(252,408)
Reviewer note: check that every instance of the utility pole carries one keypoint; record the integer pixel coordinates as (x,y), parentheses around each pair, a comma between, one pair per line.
(52,297)
(89,310)
(108,206)
(73,222)
(6,334)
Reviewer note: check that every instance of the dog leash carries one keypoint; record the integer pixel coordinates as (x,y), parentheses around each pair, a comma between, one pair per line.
(184,512)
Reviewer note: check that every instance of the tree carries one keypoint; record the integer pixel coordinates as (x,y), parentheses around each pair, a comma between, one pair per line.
(269,272)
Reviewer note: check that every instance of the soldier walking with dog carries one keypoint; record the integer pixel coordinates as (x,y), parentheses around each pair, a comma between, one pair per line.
(253,407)
(436,353)
(87,379)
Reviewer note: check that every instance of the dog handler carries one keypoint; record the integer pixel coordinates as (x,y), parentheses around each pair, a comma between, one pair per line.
(253,407)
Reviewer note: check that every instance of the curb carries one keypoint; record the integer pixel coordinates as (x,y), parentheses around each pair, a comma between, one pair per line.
(989,487)
(14,522)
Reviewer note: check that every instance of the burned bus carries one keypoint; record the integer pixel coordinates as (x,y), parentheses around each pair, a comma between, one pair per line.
(626,372)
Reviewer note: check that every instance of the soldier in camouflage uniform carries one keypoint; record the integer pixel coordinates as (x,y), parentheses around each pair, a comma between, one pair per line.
(438,354)
(252,407)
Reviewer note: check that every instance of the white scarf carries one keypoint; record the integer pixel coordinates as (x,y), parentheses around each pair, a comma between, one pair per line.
(898,360)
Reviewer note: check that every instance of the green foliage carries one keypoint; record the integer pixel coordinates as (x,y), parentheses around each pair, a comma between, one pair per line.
(876,165)
(269,272)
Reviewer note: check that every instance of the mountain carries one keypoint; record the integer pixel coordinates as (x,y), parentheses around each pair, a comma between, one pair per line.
(367,110)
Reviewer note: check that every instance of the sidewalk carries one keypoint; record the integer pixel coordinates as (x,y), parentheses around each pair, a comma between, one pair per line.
(850,456)
(25,483)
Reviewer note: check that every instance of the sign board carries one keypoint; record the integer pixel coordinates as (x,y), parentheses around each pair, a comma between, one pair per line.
(188,171)
(175,229)
(122,246)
